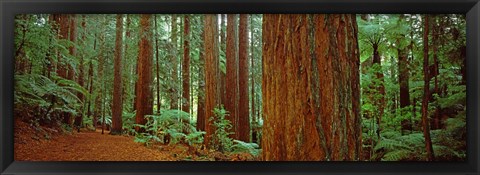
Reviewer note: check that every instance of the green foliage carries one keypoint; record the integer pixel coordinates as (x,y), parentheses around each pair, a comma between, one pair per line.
(108,120)
(221,139)
(128,122)
(54,95)
(171,126)
(251,148)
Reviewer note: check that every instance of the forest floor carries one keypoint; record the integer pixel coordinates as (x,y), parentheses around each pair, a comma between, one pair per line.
(47,144)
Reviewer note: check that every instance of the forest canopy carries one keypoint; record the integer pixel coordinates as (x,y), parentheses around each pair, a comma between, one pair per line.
(322,87)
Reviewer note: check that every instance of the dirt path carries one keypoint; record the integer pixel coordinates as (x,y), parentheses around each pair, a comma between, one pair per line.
(86,146)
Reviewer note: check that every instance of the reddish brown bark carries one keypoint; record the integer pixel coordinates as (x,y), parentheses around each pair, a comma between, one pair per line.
(117,107)
(243,114)
(212,94)
(425,122)
(232,73)
(144,90)
(186,64)
(294,129)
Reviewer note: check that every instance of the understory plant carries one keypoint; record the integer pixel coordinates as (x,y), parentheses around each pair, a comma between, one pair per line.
(171,127)
(221,140)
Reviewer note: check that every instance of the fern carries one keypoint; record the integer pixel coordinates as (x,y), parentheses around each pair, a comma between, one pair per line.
(396,155)
(251,148)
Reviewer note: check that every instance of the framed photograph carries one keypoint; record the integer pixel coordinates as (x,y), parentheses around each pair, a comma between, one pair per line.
(262,87)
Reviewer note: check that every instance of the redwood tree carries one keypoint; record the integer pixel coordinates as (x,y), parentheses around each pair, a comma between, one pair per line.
(144,91)
(117,107)
(243,114)
(212,92)
(186,65)
(426,78)
(232,72)
(294,127)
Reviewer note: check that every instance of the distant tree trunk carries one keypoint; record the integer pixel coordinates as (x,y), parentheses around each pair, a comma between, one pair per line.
(90,100)
(425,122)
(212,94)
(157,63)
(81,79)
(436,114)
(403,78)
(294,129)
(62,21)
(99,102)
(144,90)
(242,115)
(201,84)
(232,76)
(128,67)
(223,75)
(186,64)
(173,61)
(380,103)
(117,107)
(252,82)
(72,49)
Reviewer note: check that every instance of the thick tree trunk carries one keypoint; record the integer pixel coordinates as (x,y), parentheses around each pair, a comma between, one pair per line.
(117,107)
(186,65)
(144,90)
(242,115)
(294,129)
(425,122)
(232,76)
(212,94)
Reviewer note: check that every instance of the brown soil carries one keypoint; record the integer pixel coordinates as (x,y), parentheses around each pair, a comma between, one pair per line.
(47,144)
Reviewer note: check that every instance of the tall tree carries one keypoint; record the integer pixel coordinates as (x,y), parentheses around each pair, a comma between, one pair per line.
(201,83)
(81,78)
(252,84)
(157,63)
(243,114)
(231,85)
(145,54)
(174,63)
(403,71)
(294,129)
(212,92)
(99,102)
(186,64)
(222,46)
(425,122)
(72,32)
(117,107)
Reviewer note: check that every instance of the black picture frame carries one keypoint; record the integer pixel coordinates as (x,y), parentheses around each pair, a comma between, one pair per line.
(9,8)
